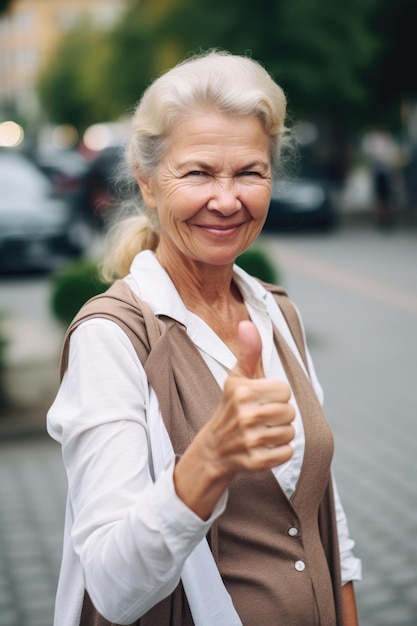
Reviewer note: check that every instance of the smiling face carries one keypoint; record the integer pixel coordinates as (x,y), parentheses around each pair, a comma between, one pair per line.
(211,189)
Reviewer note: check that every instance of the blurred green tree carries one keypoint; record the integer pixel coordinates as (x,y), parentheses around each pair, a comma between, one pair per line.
(142,48)
(393,79)
(96,76)
(73,86)
(318,50)
(4,5)
(330,58)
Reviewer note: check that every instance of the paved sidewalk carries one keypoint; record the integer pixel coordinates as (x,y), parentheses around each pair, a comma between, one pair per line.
(32,496)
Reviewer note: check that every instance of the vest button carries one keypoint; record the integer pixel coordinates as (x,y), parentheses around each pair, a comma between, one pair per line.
(300,566)
(293,532)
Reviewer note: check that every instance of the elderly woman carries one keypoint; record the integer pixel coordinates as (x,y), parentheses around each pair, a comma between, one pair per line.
(197,453)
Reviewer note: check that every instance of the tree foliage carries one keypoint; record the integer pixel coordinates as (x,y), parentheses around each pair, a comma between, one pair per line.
(330,58)
(134,52)
(5,5)
(98,76)
(317,50)
(393,79)
(72,86)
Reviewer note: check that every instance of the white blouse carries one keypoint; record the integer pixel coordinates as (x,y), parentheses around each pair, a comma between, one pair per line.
(126,537)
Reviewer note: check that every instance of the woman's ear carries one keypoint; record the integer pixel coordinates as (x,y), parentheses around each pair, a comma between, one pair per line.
(146,189)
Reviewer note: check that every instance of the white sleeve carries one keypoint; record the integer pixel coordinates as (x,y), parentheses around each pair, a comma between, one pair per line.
(351,566)
(131,535)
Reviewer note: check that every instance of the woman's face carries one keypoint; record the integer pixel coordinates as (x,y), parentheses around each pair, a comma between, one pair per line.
(211,189)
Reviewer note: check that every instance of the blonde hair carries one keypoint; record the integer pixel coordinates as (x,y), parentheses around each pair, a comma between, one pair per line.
(212,81)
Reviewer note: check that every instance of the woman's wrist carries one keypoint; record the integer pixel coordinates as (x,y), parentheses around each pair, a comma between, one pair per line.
(198,481)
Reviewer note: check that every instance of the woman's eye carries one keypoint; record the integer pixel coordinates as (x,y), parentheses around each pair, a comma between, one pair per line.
(249,173)
(196,173)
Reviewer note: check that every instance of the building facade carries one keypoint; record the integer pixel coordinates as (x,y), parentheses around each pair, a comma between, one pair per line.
(29,31)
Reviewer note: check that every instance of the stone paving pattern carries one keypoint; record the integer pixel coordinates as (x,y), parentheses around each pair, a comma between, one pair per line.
(32,498)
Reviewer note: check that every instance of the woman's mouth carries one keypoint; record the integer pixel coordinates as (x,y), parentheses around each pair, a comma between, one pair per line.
(220,230)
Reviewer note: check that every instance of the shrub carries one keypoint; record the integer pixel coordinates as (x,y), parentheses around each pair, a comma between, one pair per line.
(256,263)
(72,287)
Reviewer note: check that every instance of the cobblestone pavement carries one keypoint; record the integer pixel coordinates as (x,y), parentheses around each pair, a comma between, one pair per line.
(360,313)
(32,497)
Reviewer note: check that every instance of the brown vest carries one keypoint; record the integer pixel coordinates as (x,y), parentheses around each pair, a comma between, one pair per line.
(278,558)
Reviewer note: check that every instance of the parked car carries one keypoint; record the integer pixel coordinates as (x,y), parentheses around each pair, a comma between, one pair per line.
(101,188)
(301,204)
(38,230)
(65,169)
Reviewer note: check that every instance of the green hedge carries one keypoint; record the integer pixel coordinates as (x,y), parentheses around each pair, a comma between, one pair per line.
(256,263)
(72,287)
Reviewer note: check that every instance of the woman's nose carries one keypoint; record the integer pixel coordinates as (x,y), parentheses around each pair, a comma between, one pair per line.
(224,197)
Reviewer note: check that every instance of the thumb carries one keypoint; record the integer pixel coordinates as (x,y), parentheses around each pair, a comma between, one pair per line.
(250,347)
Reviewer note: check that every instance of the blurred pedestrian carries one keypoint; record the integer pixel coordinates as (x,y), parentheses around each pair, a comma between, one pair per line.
(196,448)
(383,156)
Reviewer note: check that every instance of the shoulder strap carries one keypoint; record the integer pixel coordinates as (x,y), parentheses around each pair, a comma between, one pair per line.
(291,317)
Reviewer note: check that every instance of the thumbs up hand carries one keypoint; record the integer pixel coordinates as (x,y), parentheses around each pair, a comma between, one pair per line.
(251,430)
(252,424)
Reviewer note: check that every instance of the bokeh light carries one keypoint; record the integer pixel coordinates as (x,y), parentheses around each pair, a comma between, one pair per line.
(11,134)
(306,133)
(98,137)
(64,136)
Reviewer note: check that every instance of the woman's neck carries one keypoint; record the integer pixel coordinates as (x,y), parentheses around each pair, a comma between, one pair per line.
(210,292)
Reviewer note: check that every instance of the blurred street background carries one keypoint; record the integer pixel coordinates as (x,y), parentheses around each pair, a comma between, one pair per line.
(341,236)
